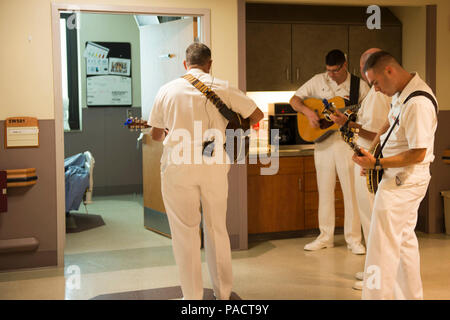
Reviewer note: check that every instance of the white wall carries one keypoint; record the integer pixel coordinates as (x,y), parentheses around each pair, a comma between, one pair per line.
(157,40)
(110,28)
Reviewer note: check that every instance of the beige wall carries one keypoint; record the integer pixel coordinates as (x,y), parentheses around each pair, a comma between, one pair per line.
(413,38)
(26,80)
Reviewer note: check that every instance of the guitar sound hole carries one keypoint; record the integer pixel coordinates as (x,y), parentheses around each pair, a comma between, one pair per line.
(324,124)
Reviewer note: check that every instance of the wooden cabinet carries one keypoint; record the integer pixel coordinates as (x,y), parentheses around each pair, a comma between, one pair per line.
(275,202)
(287,201)
(286,44)
(310,45)
(388,38)
(268,56)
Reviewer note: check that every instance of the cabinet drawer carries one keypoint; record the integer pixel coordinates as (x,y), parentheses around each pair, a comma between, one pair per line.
(286,165)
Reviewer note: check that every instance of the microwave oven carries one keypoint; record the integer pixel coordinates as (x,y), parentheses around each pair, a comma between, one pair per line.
(284,118)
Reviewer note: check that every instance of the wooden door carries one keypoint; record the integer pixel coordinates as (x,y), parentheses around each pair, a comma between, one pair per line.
(310,45)
(275,203)
(268,51)
(156,41)
(388,38)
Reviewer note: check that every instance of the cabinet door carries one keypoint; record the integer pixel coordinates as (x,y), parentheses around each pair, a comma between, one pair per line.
(310,45)
(268,53)
(275,203)
(388,38)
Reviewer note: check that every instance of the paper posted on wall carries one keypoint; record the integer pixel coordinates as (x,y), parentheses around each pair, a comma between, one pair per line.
(108,90)
(94,50)
(97,66)
(119,66)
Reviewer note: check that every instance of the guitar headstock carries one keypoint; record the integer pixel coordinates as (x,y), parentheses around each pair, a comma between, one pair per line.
(135,123)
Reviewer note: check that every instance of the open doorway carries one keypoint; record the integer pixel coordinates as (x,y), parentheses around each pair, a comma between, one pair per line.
(116,181)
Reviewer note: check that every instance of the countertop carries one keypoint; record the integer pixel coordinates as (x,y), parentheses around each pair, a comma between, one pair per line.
(283,151)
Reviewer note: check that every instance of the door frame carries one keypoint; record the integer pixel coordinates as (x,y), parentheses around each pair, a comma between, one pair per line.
(56,8)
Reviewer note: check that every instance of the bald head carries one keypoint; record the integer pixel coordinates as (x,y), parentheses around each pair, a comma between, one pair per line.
(362,61)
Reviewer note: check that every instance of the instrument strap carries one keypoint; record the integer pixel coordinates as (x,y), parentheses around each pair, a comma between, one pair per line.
(412,95)
(229,114)
(354,89)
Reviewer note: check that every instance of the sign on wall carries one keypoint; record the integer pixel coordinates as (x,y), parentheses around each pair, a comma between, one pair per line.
(21,132)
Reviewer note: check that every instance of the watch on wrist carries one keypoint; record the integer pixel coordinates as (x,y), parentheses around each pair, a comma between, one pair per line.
(378,164)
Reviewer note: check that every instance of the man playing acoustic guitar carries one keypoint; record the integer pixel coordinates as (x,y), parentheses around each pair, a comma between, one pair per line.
(392,268)
(188,187)
(333,154)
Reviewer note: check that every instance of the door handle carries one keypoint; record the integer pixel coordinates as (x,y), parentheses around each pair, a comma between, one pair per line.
(298,73)
(287,74)
(299,184)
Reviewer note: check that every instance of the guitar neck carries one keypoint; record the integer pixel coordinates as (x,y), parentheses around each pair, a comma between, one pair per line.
(355,148)
(352,108)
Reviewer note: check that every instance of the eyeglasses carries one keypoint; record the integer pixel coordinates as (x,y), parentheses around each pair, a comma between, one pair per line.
(335,70)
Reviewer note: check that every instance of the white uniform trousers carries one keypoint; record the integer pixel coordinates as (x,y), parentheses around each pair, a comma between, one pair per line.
(330,156)
(365,203)
(184,189)
(392,268)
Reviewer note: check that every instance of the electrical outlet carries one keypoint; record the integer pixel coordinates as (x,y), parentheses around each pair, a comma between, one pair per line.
(129,113)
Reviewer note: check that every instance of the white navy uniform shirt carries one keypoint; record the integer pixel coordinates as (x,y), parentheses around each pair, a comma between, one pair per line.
(417,122)
(373,114)
(178,104)
(321,86)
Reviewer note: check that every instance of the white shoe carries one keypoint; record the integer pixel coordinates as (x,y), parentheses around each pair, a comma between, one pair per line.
(317,245)
(358,285)
(357,248)
(359,276)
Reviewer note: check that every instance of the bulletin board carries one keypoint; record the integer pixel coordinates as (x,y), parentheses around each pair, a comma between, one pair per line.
(108,74)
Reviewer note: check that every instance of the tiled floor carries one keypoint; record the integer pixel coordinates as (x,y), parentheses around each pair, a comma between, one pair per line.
(124,256)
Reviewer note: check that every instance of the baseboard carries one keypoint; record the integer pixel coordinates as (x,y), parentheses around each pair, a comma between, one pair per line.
(288,234)
(116,190)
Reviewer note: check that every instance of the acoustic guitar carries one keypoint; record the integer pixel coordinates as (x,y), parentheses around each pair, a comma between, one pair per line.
(323,109)
(373,177)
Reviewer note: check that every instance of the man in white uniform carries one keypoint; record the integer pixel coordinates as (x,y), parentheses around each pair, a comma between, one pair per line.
(189,188)
(332,154)
(370,119)
(392,269)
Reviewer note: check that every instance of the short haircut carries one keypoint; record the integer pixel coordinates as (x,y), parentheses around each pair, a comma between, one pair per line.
(198,54)
(335,57)
(378,60)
